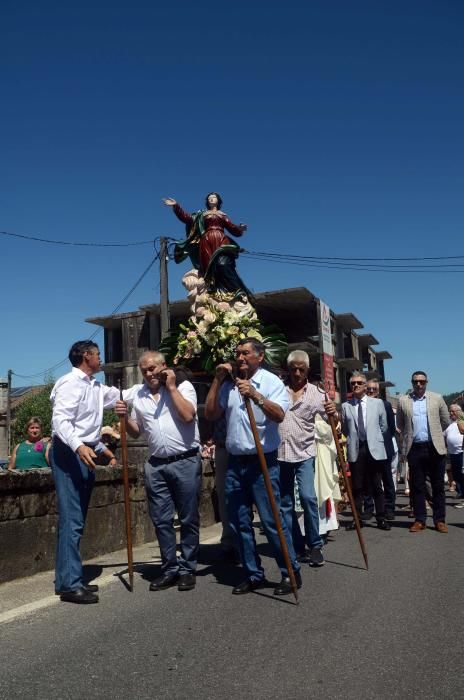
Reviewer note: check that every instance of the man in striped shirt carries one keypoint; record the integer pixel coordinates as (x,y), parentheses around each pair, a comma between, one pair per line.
(297,456)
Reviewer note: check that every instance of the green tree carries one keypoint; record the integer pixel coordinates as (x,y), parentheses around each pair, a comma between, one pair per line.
(457,397)
(38,404)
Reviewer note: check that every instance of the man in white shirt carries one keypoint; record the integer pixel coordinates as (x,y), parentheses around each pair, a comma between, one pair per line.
(78,401)
(167,415)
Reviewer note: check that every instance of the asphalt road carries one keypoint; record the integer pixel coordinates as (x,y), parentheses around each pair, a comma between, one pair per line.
(394,631)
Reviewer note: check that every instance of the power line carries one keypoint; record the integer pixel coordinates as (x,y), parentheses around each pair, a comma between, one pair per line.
(74,243)
(329,258)
(99,329)
(362,267)
(278,256)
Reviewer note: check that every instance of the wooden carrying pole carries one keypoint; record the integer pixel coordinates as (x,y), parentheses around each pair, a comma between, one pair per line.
(342,463)
(127,510)
(270,494)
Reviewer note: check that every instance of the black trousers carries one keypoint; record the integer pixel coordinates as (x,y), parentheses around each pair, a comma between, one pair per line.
(366,479)
(424,461)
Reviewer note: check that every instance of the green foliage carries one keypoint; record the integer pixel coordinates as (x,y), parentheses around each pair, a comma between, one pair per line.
(40,405)
(456,397)
(110,418)
(37,404)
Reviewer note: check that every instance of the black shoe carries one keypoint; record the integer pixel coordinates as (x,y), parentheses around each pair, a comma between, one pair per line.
(186,582)
(92,587)
(316,557)
(303,557)
(163,582)
(389,516)
(383,525)
(285,586)
(81,595)
(247,586)
(352,526)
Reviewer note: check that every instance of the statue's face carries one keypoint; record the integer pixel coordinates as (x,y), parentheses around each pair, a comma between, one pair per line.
(212,200)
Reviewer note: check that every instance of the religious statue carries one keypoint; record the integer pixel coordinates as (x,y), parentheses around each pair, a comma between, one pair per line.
(211,252)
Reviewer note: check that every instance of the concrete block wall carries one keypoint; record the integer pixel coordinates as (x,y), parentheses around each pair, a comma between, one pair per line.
(28,517)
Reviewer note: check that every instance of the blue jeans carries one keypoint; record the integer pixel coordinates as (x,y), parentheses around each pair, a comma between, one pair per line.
(303,472)
(171,487)
(245,486)
(74,483)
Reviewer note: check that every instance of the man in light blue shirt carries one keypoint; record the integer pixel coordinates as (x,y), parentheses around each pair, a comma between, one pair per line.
(244,480)
(419,420)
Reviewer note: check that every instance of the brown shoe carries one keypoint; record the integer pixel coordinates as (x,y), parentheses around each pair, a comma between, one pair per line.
(441,527)
(418,526)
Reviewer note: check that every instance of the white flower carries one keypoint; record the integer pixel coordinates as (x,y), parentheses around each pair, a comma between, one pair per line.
(209,317)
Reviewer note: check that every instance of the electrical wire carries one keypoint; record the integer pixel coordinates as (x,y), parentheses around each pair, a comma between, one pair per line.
(278,256)
(329,258)
(99,329)
(73,243)
(360,266)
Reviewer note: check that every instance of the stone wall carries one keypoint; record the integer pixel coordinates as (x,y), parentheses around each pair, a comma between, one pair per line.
(28,516)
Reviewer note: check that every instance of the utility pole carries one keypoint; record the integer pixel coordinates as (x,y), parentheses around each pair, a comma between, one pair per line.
(164,295)
(8,412)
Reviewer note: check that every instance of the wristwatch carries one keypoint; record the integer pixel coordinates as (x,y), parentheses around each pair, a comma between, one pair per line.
(259,400)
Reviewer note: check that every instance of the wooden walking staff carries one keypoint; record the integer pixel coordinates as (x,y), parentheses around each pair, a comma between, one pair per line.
(127,510)
(342,463)
(270,494)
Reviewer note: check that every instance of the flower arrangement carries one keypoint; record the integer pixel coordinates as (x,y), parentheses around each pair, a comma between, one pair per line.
(215,327)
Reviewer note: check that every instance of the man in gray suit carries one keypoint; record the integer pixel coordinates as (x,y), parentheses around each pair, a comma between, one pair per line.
(364,423)
(421,417)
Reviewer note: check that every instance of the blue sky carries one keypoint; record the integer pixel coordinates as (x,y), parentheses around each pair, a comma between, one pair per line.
(330,128)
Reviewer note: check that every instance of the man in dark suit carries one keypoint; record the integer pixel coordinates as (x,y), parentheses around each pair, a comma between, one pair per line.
(391,448)
(364,423)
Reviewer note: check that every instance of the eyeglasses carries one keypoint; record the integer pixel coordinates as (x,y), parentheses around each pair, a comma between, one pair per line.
(371,390)
(419,381)
(357,383)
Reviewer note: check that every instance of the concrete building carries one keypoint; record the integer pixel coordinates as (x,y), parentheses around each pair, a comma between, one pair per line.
(296,311)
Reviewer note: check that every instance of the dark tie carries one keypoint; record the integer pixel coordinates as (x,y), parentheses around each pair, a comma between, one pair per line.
(361,428)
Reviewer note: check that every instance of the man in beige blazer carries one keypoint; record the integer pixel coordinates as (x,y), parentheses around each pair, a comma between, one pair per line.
(421,417)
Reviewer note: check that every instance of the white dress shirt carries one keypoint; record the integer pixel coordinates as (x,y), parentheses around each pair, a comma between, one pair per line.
(78,402)
(167,435)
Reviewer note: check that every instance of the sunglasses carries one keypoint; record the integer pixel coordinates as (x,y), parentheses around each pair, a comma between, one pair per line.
(419,381)
(357,383)
(371,391)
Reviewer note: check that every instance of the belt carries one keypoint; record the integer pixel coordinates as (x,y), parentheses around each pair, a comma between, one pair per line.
(174,458)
